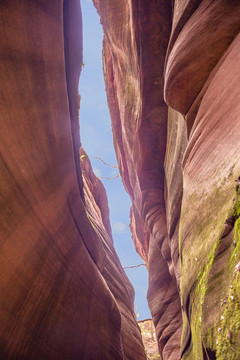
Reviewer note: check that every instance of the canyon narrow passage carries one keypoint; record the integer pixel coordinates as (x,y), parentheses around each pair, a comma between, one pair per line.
(96,138)
(171,72)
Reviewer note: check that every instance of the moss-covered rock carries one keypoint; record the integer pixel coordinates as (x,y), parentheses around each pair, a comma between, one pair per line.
(212,304)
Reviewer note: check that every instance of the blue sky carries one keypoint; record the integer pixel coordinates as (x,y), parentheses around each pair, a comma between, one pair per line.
(96,137)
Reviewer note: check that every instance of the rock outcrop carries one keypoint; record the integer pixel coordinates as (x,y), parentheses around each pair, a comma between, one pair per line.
(149,339)
(64,294)
(172,81)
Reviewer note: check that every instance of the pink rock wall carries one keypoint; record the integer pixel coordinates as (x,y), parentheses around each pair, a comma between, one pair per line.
(171,72)
(64,294)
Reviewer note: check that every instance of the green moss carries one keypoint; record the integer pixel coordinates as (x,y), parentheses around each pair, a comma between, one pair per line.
(236,251)
(212,282)
(236,209)
(198,297)
(209,339)
(224,336)
(208,213)
(206,232)
(228,344)
(228,340)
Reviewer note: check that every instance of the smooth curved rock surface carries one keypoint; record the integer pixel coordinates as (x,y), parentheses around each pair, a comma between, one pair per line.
(172,80)
(136,35)
(205,32)
(203,61)
(112,271)
(64,294)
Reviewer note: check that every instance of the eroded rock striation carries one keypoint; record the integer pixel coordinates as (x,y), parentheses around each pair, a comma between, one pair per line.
(64,294)
(172,80)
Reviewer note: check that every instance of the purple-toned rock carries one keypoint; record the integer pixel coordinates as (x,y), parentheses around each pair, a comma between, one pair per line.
(64,294)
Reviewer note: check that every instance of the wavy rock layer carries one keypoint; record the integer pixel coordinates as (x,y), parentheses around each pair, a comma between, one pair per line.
(210,103)
(64,294)
(135,44)
(172,80)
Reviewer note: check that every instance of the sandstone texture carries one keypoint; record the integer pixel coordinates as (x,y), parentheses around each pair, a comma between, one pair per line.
(149,339)
(172,79)
(64,294)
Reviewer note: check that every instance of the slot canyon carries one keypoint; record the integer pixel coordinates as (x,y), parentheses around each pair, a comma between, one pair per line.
(172,78)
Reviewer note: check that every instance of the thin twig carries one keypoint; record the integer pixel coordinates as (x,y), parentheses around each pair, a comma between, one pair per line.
(135,266)
(206,351)
(112,166)
(111,178)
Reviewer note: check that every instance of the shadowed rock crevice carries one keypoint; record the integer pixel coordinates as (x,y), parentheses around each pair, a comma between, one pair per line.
(73,54)
(209,354)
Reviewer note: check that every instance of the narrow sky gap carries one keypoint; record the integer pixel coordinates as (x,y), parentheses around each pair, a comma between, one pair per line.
(96,137)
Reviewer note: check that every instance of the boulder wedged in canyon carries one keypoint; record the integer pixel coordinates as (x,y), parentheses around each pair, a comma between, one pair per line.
(172,81)
(64,294)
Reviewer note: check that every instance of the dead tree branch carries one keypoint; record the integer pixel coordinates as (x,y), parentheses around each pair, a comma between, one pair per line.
(109,178)
(112,166)
(134,266)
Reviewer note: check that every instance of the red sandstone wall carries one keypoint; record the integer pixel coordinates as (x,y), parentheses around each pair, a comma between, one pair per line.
(135,45)
(64,294)
(172,80)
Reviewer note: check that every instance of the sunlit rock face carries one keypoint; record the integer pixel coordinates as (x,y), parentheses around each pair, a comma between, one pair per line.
(172,81)
(64,294)
(202,82)
(111,268)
